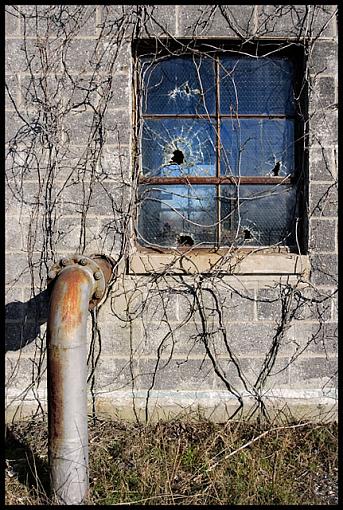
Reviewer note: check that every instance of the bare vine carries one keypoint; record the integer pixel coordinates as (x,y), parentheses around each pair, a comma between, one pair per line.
(73,184)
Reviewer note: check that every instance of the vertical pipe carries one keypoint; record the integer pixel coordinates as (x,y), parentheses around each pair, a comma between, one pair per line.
(67,384)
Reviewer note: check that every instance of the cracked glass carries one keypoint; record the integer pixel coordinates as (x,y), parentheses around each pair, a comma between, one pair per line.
(217,151)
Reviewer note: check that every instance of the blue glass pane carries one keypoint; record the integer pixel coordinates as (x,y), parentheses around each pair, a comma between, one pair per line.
(256,86)
(257,147)
(175,147)
(177,215)
(178,85)
(265,215)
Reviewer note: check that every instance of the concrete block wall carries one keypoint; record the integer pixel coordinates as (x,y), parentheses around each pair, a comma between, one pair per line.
(168,342)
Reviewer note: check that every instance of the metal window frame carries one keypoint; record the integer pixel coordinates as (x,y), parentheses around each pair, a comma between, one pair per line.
(218,180)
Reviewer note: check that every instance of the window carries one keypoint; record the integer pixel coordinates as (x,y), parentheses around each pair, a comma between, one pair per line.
(218,153)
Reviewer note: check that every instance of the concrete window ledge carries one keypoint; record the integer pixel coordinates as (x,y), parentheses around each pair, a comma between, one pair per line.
(237,263)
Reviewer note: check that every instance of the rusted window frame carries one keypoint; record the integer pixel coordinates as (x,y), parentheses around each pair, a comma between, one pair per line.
(295,179)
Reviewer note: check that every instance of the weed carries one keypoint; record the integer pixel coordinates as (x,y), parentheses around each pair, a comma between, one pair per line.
(186,462)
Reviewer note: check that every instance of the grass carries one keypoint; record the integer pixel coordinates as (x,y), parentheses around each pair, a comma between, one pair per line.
(186,462)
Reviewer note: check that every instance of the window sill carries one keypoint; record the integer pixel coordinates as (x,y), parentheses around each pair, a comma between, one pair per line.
(262,262)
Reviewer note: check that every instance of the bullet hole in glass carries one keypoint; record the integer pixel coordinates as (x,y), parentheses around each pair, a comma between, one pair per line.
(178,157)
(185,240)
(276,168)
(247,233)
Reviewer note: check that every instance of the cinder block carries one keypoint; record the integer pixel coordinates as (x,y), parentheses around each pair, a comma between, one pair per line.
(14,235)
(26,336)
(27,56)
(160,305)
(72,199)
(22,372)
(115,56)
(113,374)
(88,58)
(13,331)
(236,306)
(311,304)
(254,338)
(335,309)
(83,127)
(323,200)
(21,197)
(25,270)
(167,339)
(14,56)
(159,21)
(217,301)
(57,20)
(313,338)
(109,237)
(36,304)
(324,269)
(58,93)
(216,20)
(324,128)
(323,94)
(177,374)
(296,20)
(14,303)
(106,198)
(314,372)
(120,92)
(16,130)
(117,127)
(324,57)
(244,374)
(17,270)
(118,338)
(11,91)
(269,304)
(69,235)
(11,21)
(22,165)
(149,20)
(322,166)
(114,163)
(322,235)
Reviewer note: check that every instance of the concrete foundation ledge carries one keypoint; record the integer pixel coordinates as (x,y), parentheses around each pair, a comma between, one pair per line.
(315,405)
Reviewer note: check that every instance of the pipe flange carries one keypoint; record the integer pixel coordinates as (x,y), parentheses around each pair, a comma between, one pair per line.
(86,263)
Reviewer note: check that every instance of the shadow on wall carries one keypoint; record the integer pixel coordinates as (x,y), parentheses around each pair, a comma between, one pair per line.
(24,320)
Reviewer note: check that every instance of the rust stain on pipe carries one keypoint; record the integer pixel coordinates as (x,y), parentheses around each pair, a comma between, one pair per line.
(73,290)
(67,383)
(56,395)
(71,314)
(68,295)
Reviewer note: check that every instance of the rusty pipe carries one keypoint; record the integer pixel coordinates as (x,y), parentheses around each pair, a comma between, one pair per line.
(79,284)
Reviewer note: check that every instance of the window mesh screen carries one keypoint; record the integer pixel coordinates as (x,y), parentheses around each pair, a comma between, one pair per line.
(217,137)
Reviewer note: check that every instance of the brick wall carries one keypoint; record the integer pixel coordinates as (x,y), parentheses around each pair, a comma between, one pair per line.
(175,341)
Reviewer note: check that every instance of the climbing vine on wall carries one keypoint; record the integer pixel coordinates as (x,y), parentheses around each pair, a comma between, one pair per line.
(74,185)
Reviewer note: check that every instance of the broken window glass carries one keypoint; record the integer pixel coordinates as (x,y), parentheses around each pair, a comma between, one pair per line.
(177,215)
(217,151)
(178,147)
(255,146)
(179,85)
(258,215)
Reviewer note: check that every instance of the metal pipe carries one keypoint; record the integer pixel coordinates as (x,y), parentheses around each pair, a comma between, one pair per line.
(79,284)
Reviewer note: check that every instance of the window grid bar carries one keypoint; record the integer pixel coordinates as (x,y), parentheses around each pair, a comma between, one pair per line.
(218,201)
(218,180)
(227,179)
(159,116)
